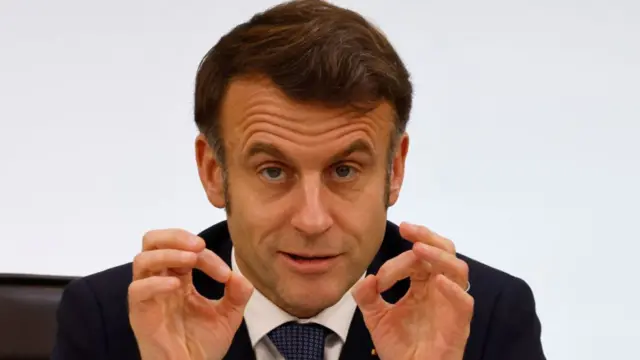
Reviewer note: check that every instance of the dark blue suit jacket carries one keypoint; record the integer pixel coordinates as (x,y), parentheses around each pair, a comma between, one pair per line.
(93,322)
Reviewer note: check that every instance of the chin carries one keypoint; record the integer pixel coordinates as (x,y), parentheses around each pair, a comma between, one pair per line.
(305,299)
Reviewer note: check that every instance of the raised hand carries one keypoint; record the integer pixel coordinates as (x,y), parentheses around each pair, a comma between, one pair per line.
(432,321)
(170,319)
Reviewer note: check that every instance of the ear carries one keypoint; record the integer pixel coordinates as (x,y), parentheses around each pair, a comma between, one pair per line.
(210,172)
(397,169)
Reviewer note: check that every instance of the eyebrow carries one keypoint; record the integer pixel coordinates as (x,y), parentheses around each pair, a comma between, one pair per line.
(268,149)
(358,146)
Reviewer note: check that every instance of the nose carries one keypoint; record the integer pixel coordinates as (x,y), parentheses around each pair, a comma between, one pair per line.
(312,217)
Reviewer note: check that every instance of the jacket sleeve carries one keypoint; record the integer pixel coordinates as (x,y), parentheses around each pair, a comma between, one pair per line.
(515,329)
(80,333)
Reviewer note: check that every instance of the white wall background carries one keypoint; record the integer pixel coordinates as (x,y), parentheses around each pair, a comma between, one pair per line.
(524,146)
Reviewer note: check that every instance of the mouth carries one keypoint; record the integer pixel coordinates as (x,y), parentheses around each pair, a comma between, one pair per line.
(309,257)
(309,263)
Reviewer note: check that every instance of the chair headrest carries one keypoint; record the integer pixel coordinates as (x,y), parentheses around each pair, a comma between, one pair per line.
(28,305)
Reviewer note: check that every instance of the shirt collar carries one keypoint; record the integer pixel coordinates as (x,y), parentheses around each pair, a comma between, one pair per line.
(262,316)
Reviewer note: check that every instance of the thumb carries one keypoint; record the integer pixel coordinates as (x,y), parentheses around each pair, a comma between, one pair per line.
(366,295)
(237,292)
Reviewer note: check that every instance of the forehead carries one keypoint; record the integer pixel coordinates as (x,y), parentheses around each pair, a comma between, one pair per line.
(254,106)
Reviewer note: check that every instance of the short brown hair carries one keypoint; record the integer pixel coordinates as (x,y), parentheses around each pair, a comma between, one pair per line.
(313,52)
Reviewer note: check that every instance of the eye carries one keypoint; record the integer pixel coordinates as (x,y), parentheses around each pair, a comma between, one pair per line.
(273,173)
(344,172)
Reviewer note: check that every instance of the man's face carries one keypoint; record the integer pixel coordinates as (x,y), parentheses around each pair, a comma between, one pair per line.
(307,205)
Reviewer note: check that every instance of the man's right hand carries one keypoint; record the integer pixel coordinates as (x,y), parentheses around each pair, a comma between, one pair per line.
(170,319)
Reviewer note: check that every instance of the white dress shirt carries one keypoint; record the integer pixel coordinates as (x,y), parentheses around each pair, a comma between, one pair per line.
(262,316)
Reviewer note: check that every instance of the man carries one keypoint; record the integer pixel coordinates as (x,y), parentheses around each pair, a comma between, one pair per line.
(302,114)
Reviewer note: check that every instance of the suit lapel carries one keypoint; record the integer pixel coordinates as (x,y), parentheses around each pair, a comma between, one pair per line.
(241,346)
(358,344)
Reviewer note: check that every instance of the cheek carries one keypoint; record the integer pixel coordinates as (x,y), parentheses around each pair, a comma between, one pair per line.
(365,202)
(255,221)
(364,220)
(263,217)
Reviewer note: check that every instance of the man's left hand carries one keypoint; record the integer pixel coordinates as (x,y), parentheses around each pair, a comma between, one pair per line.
(432,321)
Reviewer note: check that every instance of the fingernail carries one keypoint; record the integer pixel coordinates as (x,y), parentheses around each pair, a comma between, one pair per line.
(421,246)
(224,270)
(409,226)
(194,241)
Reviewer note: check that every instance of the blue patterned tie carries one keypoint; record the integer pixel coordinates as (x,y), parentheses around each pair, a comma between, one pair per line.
(299,341)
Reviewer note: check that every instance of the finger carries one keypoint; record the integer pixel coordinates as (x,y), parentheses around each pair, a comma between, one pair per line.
(180,271)
(155,261)
(368,298)
(148,288)
(418,233)
(237,292)
(172,239)
(396,269)
(213,266)
(458,298)
(444,263)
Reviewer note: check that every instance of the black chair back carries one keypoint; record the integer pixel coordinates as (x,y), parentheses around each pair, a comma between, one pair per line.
(28,305)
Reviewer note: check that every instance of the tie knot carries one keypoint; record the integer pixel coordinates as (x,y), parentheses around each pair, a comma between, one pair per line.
(299,341)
